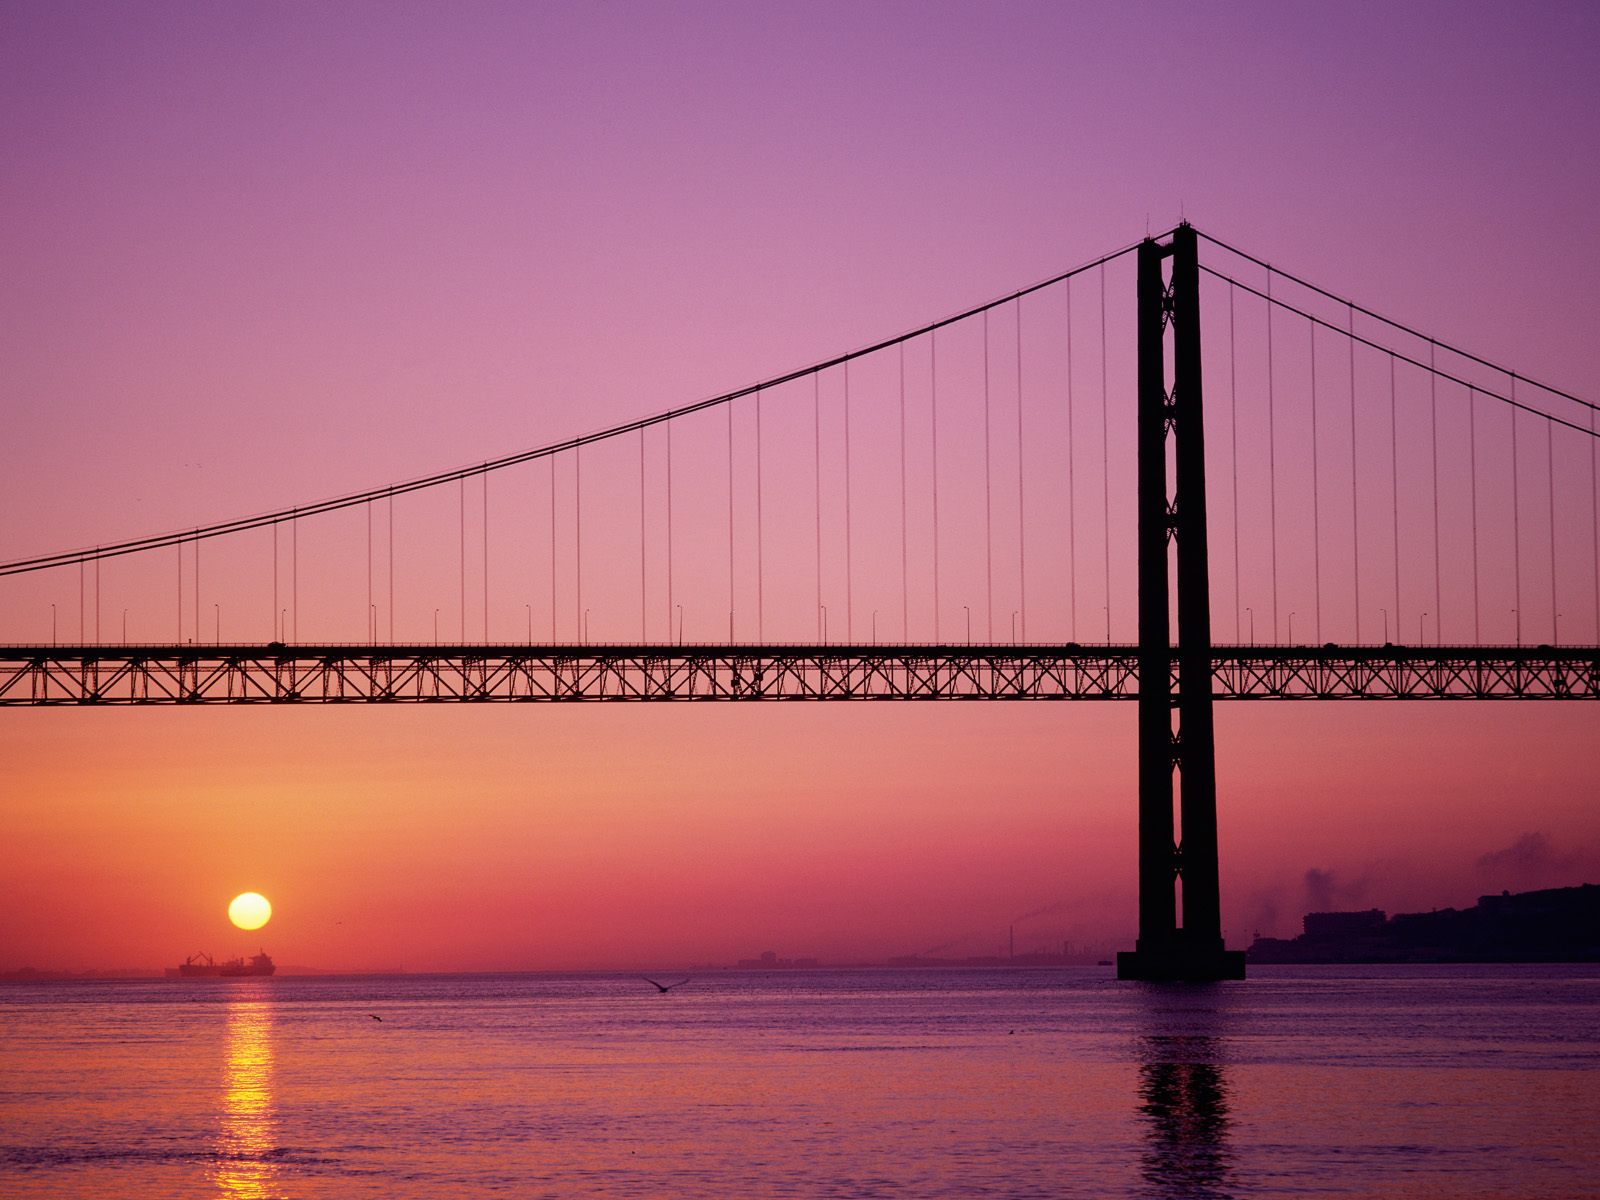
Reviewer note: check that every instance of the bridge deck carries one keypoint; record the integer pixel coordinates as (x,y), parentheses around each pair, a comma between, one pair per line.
(523,673)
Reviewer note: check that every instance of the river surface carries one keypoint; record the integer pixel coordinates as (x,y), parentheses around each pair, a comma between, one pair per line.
(1304,1081)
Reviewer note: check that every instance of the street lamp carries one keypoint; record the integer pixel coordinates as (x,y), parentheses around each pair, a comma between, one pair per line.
(124,627)
(1421,635)
(1385,613)
(529,607)
(680,624)
(1518,616)
(969,624)
(1013,627)
(52,625)
(218,607)
(1251,613)
(1291,628)
(436,627)
(824,609)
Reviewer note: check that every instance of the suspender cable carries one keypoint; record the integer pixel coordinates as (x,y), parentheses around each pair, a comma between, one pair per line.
(294,574)
(644,602)
(1022,525)
(577,562)
(197,586)
(905,575)
(1472,459)
(462,509)
(276,633)
(849,564)
(179,548)
(97,600)
(1394,488)
(553,636)
(1594,525)
(1105,448)
(933,407)
(988,488)
(1316,498)
(372,629)
(486,556)
(391,567)
(816,468)
(670,608)
(1355,512)
(1233,460)
(83,635)
(1550,472)
(1438,586)
(1516,521)
(1272,458)
(731,605)
(761,562)
(1072,489)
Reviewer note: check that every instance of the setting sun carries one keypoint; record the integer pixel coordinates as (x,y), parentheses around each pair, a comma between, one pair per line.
(250,910)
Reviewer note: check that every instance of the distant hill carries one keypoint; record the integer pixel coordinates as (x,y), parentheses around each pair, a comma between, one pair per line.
(1553,925)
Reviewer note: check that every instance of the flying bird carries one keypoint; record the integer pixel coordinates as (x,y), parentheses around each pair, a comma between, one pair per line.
(376,1017)
(663,987)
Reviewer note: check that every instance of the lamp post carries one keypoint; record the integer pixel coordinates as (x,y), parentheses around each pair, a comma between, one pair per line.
(680,624)
(52,625)
(529,607)
(824,609)
(1518,618)
(1251,613)
(124,627)
(1013,627)
(1291,627)
(969,623)
(1385,613)
(436,627)
(1421,635)
(218,608)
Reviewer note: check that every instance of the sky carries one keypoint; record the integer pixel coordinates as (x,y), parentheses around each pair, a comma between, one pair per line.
(258,257)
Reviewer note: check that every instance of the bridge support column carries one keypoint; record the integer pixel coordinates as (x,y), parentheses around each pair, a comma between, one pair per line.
(1175,727)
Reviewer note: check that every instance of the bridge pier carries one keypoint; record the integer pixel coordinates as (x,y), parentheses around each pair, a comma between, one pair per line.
(1175,848)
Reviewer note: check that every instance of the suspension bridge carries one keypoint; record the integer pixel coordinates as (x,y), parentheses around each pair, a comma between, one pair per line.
(1030,460)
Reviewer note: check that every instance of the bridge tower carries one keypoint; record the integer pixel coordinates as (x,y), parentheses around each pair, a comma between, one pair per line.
(1177,852)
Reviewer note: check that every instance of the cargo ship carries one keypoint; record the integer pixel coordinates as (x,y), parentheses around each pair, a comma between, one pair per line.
(201,966)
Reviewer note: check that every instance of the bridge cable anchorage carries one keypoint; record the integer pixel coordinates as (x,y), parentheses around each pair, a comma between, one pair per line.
(223,528)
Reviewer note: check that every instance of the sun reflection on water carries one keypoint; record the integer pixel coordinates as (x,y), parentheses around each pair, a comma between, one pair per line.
(247,1131)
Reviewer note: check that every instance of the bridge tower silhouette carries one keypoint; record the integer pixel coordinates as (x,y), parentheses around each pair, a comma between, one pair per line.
(1177,863)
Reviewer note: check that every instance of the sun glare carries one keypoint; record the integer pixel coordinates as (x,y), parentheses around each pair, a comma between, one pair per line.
(250,910)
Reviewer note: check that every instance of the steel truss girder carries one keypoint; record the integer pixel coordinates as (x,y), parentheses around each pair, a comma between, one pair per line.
(153,675)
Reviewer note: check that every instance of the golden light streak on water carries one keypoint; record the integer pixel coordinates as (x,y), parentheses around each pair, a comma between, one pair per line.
(247,1132)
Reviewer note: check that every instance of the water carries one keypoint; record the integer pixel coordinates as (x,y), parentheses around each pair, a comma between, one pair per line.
(1419,1082)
